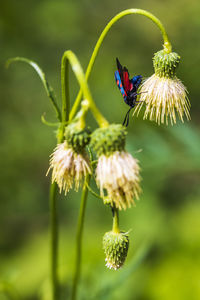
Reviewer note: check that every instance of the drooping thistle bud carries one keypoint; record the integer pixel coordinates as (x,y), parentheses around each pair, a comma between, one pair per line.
(107,140)
(117,171)
(165,64)
(163,93)
(77,139)
(115,245)
(69,161)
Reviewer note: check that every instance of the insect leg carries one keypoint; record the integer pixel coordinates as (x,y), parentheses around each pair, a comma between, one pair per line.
(126,119)
(127,122)
(140,93)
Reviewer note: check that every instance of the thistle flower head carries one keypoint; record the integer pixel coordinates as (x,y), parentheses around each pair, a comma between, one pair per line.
(77,139)
(108,140)
(118,174)
(165,64)
(117,171)
(163,93)
(69,161)
(115,245)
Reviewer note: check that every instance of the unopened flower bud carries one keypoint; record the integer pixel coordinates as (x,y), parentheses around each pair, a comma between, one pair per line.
(115,245)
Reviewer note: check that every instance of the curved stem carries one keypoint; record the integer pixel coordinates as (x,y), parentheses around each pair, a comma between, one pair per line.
(70,57)
(79,236)
(54,241)
(93,192)
(115,212)
(49,90)
(167,44)
(50,124)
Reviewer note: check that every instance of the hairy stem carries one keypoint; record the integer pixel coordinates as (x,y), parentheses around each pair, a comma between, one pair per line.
(79,237)
(167,44)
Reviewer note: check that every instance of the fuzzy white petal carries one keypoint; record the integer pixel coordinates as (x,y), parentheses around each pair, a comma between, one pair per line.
(164,97)
(118,173)
(68,167)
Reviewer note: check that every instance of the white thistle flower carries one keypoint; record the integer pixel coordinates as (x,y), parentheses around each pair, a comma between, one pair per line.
(118,173)
(68,167)
(163,93)
(163,98)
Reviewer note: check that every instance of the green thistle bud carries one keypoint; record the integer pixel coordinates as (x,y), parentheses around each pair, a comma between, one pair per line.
(108,140)
(165,64)
(115,246)
(76,138)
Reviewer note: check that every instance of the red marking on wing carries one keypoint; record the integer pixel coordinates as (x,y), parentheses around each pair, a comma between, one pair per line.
(127,83)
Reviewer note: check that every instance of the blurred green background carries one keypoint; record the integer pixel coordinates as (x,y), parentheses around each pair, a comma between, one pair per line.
(164,257)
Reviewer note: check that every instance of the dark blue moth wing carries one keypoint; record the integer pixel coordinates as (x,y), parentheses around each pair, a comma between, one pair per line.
(120,85)
(136,80)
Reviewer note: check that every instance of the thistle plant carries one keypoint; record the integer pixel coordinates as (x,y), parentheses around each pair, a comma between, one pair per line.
(116,172)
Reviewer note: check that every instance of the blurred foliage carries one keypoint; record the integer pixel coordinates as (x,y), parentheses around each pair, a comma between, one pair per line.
(164,257)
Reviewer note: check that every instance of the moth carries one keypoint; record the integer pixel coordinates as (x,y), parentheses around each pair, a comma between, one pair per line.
(128,88)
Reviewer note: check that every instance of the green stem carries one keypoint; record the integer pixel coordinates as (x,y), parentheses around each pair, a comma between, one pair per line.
(167,44)
(70,57)
(79,236)
(65,89)
(53,187)
(48,88)
(54,241)
(54,227)
(93,192)
(44,121)
(115,220)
